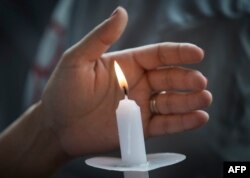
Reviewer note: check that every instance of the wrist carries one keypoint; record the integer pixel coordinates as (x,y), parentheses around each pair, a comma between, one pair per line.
(29,148)
(52,151)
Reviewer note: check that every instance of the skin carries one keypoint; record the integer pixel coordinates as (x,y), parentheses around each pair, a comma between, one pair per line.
(76,114)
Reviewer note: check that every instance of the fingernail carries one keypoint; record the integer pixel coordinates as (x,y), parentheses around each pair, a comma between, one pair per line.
(114,12)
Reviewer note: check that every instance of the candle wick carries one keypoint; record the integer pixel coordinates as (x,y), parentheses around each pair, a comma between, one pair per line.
(125,91)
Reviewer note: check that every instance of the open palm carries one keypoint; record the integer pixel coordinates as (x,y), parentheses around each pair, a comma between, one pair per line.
(82,94)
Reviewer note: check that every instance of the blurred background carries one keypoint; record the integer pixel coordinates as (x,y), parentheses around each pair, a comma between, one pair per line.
(34,34)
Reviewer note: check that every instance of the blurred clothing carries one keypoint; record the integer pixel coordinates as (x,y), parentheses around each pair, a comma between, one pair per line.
(49,52)
(22,24)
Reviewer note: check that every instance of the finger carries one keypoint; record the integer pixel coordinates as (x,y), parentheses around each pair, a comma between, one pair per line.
(168,124)
(172,103)
(176,78)
(152,56)
(102,37)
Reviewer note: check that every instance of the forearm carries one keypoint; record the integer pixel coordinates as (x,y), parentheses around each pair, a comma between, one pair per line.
(28,148)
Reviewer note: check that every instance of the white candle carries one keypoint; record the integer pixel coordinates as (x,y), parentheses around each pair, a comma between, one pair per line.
(130,128)
(130,132)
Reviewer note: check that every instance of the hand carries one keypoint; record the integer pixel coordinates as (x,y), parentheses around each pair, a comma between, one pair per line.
(81,97)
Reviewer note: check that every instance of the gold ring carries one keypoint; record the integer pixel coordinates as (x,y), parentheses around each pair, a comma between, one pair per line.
(153,107)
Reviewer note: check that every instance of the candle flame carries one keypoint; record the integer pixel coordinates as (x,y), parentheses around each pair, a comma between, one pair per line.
(121,78)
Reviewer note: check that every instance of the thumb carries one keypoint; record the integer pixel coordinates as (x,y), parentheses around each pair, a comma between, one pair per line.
(94,44)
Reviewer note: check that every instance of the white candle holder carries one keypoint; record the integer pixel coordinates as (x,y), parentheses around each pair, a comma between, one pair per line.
(154,161)
(134,161)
